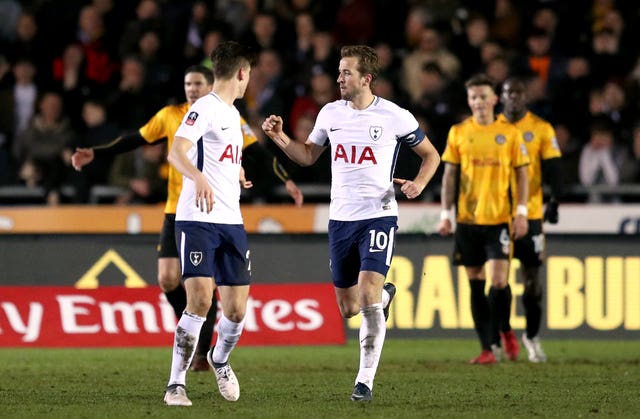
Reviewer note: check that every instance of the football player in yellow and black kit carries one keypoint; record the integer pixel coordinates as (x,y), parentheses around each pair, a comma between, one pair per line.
(198,81)
(481,157)
(544,154)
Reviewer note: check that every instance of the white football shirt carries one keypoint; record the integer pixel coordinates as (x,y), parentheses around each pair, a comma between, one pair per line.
(364,149)
(214,129)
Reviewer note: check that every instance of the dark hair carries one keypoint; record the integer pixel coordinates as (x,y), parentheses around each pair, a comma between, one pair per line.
(205,71)
(367,59)
(480,80)
(230,56)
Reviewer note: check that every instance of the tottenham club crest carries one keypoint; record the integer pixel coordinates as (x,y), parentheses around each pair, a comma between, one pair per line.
(500,139)
(191,119)
(375,132)
(195,258)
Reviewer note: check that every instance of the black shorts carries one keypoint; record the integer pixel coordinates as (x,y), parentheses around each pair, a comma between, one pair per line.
(167,247)
(529,250)
(475,244)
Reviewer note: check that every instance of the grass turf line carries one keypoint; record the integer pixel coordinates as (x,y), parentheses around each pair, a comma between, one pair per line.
(416,378)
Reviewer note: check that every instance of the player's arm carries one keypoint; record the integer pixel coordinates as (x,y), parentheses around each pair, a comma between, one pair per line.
(552,175)
(447,197)
(127,142)
(262,158)
(304,154)
(520,223)
(430,161)
(178,158)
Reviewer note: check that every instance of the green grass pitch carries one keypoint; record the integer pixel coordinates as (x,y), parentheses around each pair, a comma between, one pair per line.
(416,378)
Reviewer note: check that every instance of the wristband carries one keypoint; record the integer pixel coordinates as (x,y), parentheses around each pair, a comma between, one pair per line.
(522,210)
(445,214)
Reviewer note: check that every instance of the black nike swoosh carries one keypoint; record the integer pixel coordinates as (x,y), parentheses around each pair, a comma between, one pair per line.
(224,128)
(334,129)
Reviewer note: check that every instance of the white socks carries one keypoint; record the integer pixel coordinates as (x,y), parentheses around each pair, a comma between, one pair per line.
(372,333)
(185,342)
(228,335)
(385,298)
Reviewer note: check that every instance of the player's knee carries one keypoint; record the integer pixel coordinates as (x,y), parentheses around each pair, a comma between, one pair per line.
(168,281)
(348,310)
(532,292)
(199,305)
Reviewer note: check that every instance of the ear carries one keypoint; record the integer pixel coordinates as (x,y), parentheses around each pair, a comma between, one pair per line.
(367,79)
(243,73)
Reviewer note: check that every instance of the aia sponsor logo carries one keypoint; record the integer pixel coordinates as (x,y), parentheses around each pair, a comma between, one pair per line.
(354,155)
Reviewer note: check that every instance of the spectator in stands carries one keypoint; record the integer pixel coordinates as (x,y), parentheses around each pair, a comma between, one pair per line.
(43,150)
(354,23)
(601,158)
(439,103)
(6,120)
(157,70)
(98,129)
(273,93)
(27,44)
(324,11)
(130,105)
(25,94)
(148,16)
(101,65)
(570,147)
(417,19)
(506,24)
(540,59)
(630,168)
(430,48)
(298,60)
(323,91)
(498,69)
(200,22)
(570,96)
(325,54)
(264,33)
(607,60)
(68,77)
(211,40)
(467,45)
(389,65)
(11,10)
(142,174)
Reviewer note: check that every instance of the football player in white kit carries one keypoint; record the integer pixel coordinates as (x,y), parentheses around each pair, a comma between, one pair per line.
(212,241)
(365,133)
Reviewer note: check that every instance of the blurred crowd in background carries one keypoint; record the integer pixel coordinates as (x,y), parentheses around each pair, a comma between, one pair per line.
(78,73)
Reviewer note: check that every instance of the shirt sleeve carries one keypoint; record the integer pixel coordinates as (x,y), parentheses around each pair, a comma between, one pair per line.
(451,153)
(195,122)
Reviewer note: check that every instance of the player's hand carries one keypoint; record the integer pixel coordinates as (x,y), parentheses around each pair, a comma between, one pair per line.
(520,227)
(294,192)
(272,126)
(551,212)
(244,183)
(204,194)
(410,189)
(445,227)
(81,158)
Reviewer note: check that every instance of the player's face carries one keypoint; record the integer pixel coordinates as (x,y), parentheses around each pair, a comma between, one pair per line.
(513,96)
(195,86)
(350,80)
(481,100)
